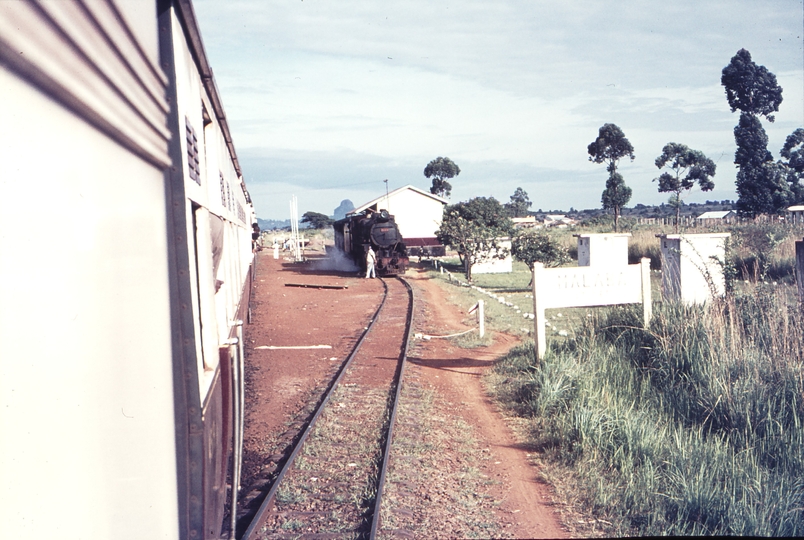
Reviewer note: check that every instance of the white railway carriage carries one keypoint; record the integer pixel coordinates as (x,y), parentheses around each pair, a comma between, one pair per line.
(125,268)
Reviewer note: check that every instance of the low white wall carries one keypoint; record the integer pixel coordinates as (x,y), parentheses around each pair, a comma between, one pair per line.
(494,265)
(690,269)
(603,249)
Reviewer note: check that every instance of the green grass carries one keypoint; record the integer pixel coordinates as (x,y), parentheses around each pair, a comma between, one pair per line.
(515,289)
(691,427)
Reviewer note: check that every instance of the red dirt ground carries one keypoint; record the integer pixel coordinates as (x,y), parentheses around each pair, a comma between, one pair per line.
(281,384)
(458,375)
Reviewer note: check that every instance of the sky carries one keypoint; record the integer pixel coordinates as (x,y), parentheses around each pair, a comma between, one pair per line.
(327,99)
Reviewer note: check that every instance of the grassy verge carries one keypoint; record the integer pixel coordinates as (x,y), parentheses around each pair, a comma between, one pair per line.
(691,427)
(505,311)
(508,302)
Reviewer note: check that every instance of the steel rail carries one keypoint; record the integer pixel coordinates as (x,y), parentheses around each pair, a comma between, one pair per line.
(268,502)
(375,521)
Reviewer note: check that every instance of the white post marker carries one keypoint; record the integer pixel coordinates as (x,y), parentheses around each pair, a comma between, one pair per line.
(800,269)
(481,317)
(588,286)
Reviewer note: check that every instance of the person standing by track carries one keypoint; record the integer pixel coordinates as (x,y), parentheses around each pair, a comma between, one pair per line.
(371,258)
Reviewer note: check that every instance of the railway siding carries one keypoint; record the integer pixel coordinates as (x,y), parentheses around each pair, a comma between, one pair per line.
(339,452)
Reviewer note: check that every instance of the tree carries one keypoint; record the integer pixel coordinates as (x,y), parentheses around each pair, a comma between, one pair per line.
(609,147)
(518,207)
(688,167)
(440,170)
(753,90)
(615,196)
(763,189)
(316,220)
(762,186)
(474,229)
(531,247)
(793,152)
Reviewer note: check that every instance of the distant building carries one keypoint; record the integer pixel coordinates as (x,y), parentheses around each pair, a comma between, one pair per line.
(795,214)
(528,222)
(495,265)
(417,213)
(557,220)
(721,214)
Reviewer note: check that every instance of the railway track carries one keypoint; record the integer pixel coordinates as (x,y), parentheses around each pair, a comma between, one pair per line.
(330,484)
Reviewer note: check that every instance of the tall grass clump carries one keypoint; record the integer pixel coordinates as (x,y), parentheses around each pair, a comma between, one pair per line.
(644,244)
(764,251)
(690,427)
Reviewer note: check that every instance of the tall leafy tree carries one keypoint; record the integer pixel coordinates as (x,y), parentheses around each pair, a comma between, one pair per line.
(750,88)
(474,229)
(610,147)
(316,220)
(753,90)
(762,186)
(615,196)
(793,153)
(518,207)
(441,169)
(686,167)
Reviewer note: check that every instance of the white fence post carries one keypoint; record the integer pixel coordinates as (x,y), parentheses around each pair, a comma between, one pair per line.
(481,318)
(800,268)
(538,313)
(647,304)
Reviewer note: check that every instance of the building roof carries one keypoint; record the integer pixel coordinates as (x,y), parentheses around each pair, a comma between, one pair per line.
(525,222)
(716,215)
(797,208)
(376,201)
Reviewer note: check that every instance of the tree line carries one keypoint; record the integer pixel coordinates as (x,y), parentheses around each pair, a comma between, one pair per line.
(764,185)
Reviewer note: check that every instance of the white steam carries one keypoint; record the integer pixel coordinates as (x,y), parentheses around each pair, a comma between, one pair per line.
(337,261)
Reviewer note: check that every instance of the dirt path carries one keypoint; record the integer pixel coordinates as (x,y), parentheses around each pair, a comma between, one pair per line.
(525,502)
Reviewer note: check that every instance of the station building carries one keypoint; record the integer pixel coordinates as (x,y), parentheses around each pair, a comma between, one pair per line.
(417,213)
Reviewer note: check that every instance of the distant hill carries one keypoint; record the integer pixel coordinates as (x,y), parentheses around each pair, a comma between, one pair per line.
(275,224)
(345,207)
(271,224)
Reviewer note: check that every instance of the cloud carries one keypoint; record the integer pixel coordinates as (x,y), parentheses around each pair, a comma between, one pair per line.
(327,99)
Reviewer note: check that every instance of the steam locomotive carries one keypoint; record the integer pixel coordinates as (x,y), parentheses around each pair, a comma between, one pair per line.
(355,233)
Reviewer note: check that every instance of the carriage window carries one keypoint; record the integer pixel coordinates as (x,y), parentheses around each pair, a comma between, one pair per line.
(193,162)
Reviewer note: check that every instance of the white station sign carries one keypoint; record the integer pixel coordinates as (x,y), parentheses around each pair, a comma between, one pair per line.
(586,286)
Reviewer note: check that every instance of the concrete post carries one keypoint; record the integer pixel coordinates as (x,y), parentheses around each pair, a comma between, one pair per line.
(647,304)
(800,268)
(481,318)
(539,334)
